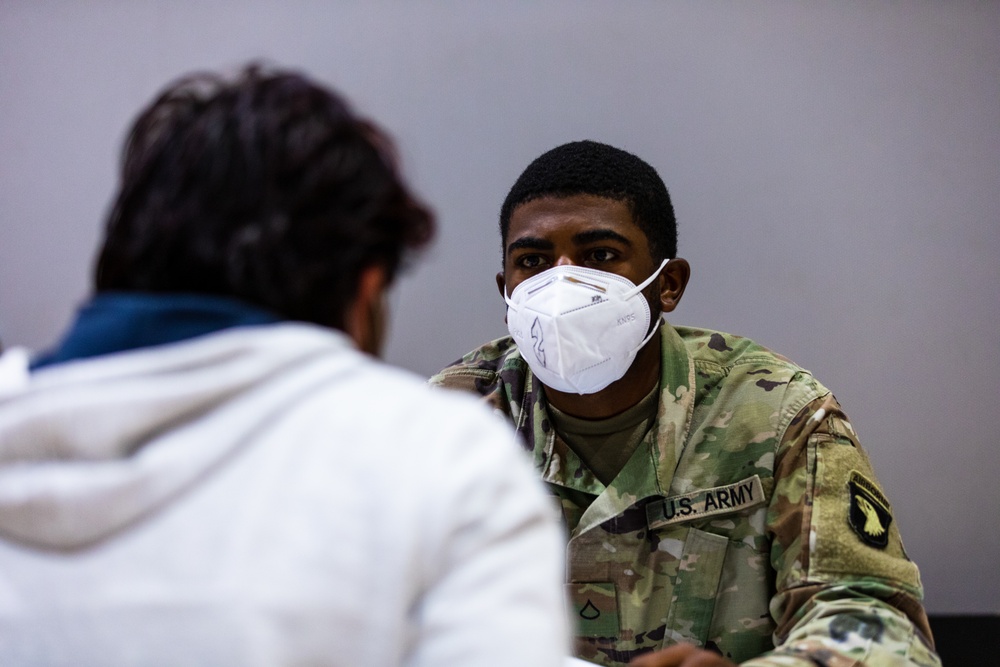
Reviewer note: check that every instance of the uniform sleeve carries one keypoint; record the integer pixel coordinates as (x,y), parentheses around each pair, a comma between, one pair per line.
(494,594)
(846,592)
(457,377)
(482,382)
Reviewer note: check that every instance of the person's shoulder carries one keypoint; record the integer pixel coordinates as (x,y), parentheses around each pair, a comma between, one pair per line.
(739,360)
(401,395)
(710,347)
(331,371)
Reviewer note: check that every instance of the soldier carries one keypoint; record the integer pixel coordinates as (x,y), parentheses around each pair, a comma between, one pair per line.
(213,467)
(717,501)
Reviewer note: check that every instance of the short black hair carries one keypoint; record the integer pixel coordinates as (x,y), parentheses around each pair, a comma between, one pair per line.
(265,187)
(593,168)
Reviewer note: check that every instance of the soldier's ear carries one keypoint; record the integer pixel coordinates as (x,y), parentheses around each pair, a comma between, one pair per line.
(502,286)
(673,280)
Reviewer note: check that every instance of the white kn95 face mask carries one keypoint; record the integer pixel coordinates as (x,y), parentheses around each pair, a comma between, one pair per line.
(578,328)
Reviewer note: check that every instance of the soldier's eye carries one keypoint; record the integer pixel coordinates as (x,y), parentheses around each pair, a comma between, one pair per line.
(603,255)
(530,261)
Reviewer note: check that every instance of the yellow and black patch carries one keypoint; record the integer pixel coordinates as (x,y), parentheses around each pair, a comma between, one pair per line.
(869,513)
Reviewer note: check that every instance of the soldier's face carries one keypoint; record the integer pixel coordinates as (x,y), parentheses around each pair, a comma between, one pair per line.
(581,230)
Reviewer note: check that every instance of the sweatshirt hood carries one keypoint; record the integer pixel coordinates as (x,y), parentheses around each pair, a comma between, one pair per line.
(88,448)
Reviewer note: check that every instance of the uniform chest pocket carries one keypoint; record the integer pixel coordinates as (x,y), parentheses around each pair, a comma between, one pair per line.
(696,587)
(702,555)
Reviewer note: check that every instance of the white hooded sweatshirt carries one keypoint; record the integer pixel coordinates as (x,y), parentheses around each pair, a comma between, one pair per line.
(266,496)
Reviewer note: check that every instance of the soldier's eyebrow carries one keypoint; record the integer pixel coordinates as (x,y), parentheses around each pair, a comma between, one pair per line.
(529,243)
(595,235)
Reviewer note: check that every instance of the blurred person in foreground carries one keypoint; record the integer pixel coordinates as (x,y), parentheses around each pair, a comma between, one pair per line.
(212,468)
(718,502)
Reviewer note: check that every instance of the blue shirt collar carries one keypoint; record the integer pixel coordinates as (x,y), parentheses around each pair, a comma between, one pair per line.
(119,321)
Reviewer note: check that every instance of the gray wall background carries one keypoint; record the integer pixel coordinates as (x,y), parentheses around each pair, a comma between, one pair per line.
(833,167)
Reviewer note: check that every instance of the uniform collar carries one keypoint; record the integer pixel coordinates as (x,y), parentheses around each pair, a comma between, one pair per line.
(677,389)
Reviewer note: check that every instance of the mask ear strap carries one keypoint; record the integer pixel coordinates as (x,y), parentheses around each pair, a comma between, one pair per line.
(508,301)
(645,283)
(649,335)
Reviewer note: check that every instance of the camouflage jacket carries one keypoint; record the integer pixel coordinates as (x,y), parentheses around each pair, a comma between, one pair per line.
(748,521)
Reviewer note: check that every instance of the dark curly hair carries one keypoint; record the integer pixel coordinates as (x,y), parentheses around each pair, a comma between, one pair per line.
(267,188)
(589,167)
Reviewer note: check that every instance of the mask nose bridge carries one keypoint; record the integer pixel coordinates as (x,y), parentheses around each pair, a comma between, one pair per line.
(532,285)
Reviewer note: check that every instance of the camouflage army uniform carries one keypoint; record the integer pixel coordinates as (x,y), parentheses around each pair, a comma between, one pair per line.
(748,521)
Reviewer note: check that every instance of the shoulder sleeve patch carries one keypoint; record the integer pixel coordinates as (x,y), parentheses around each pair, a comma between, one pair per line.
(852,531)
(868,513)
